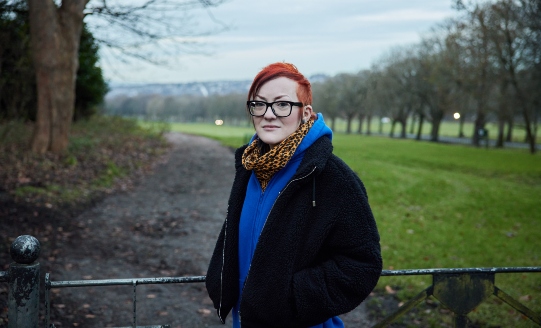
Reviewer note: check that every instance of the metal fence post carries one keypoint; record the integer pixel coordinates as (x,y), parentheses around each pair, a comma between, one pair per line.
(23,299)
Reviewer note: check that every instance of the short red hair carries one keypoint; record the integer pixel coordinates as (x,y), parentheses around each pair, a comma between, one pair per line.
(280,69)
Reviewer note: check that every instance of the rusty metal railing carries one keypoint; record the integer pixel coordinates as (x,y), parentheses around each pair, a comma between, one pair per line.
(459,289)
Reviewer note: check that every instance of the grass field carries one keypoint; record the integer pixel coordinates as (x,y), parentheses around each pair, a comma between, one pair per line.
(444,206)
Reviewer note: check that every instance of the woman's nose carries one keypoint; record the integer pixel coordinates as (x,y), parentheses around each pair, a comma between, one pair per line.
(269,113)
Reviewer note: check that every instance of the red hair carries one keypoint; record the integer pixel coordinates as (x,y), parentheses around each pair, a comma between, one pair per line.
(276,70)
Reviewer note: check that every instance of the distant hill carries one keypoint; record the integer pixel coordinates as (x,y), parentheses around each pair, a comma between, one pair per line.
(190,88)
(179,89)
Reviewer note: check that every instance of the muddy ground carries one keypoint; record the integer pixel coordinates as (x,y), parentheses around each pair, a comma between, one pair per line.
(166,225)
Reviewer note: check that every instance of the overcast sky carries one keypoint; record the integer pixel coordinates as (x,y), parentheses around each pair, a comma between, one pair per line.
(318,36)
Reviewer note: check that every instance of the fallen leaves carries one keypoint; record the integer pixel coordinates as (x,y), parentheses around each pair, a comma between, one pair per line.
(390,290)
(525,298)
(50,180)
(204,312)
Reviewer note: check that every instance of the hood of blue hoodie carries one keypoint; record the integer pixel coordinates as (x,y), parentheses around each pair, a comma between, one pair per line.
(318,130)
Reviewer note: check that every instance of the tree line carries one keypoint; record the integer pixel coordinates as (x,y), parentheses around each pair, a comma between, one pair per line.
(185,108)
(484,64)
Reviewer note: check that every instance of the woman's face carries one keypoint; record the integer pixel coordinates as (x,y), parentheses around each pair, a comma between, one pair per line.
(271,129)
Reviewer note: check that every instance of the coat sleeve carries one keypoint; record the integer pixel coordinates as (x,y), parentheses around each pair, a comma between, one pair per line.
(350,271)
(212,281)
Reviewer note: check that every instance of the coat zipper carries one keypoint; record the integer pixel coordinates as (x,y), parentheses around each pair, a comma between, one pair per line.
(264,224)
(222,274)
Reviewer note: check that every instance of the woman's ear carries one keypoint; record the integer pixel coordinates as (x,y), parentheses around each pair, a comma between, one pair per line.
(308,113)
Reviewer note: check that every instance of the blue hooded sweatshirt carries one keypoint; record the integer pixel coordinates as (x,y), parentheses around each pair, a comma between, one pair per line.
(257,206)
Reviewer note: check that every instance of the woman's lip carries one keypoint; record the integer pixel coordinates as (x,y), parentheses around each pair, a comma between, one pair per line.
(270,127)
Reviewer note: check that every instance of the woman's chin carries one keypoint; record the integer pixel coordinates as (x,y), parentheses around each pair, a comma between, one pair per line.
(270,139)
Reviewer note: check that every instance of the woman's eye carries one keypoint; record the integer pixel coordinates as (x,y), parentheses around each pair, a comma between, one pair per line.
(282,104)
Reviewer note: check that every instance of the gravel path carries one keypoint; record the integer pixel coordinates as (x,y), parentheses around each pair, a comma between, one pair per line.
(166,226)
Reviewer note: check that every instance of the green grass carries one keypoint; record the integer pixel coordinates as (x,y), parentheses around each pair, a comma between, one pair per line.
(233,136)
(445,206)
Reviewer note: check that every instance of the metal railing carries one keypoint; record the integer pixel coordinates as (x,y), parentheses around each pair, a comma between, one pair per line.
(114,282)
(460,289)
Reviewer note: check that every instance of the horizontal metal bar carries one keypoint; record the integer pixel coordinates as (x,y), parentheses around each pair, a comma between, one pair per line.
(114,282)
(179,280)
(192,279)
(158,326)
(4,276)
(418,272)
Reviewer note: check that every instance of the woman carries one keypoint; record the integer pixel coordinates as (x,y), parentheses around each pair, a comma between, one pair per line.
(299,245)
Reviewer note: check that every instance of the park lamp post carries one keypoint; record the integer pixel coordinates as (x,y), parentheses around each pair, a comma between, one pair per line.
(457,116)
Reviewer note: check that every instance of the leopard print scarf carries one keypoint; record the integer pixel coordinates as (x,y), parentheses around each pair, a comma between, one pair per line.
(266,165)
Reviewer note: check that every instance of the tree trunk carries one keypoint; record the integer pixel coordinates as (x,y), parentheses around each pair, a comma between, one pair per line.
(435,131)
(420,130)
(368,123)
(509,134)
(461,126)
(412,125)
(393,124)
(360,127)
(404,126)
(437,117)
(524,107)
(55,34)
(349,119)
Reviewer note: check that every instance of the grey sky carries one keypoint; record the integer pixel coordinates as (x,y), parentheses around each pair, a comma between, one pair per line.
(318,36)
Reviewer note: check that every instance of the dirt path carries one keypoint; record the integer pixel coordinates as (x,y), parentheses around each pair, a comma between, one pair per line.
(166,226)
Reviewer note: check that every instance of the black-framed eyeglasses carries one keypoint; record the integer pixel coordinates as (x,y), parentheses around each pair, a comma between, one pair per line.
(281,108)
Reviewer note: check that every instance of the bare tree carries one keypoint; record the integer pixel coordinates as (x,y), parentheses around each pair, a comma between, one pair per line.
(510,36)
(437,76)
(510,31)
(351,95)
(399,79)
(55,31)
(362,97)
(326,100)
(371,105)
(377,101)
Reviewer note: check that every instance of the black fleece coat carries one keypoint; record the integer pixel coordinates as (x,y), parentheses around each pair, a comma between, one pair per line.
(318,255)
